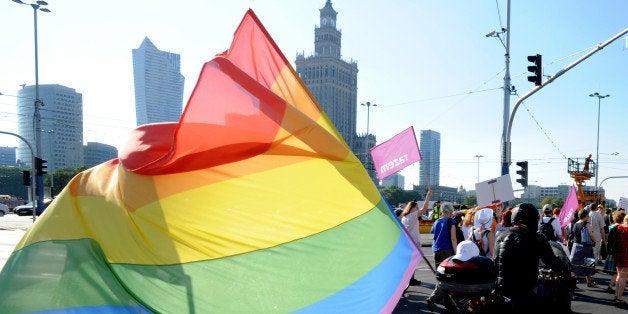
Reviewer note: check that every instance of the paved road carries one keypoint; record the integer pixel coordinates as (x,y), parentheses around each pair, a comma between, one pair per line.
(12,228)
(587,300)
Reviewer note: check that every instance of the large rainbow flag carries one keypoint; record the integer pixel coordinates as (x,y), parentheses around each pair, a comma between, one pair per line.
(251,203)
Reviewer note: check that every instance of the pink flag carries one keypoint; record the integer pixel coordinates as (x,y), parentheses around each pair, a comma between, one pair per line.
(395,154)
(569,208)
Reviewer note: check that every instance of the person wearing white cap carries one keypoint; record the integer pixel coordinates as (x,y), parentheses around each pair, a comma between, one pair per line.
(464,252)
(482,233)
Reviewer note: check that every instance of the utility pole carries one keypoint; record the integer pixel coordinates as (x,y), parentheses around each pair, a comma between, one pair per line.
(506,85)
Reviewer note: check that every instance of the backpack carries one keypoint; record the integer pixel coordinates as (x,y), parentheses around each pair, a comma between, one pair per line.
(548,230)
(479,241)
(459,234)
(585,239)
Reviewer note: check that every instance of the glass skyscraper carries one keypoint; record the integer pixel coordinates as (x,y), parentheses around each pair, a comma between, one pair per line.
(61,125)
(430,153)
(158,84)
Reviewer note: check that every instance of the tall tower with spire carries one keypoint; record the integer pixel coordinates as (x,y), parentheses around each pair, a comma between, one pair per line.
(333,81)
(327,37)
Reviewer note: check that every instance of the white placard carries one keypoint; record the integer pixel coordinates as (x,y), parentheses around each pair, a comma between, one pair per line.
(623,202)
(493,191)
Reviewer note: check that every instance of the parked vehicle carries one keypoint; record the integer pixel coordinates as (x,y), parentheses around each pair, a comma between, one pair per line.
(4,209)
(27,209)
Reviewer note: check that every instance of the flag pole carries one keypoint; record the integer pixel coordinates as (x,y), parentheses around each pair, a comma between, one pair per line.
(427,181)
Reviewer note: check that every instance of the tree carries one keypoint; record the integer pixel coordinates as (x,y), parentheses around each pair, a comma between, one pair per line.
(393,194)
(11,182)
(470,200)
(62,177)
(547,200)
(558,202)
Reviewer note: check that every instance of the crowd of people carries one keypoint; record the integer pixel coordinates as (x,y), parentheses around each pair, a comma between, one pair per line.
(515,239)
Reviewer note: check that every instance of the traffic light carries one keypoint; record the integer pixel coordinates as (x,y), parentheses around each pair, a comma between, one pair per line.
(523,173)
(536,69)
(26,177)
(40,166)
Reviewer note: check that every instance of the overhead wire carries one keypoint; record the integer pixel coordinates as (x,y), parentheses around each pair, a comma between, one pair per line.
(499,15)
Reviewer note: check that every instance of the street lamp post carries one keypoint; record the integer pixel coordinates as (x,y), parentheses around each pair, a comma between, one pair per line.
(597,149)
(37,6)
(478,157)
(366,145)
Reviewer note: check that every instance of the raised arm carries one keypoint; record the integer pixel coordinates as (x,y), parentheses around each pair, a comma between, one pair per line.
(426,204)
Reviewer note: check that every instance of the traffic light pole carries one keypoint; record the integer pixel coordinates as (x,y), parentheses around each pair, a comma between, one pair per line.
(506,149)
(32,178)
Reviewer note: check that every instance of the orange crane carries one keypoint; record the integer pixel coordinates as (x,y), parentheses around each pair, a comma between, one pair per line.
(581,172)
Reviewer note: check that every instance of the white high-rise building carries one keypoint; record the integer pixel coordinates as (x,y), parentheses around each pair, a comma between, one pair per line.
(61,125)
(158,84)
(430,154)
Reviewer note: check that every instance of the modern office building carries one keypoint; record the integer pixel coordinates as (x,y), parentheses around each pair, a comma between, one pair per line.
(158,84)
(331,80)
(61,125)
(535,194)
(442,193)
(96,153)
(430,162)
(395,179)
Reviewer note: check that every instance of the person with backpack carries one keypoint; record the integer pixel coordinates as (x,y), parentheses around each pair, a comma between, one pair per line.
(584,242)
(517,254)
(549,226)
(482,235)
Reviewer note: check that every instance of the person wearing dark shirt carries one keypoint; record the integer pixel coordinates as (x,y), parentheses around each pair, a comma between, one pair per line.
(517,253)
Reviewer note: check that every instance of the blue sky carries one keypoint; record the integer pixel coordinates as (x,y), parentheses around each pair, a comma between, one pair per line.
(425,63)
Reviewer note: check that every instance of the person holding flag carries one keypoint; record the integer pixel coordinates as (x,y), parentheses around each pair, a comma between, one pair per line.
(410,217)
(410,220)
